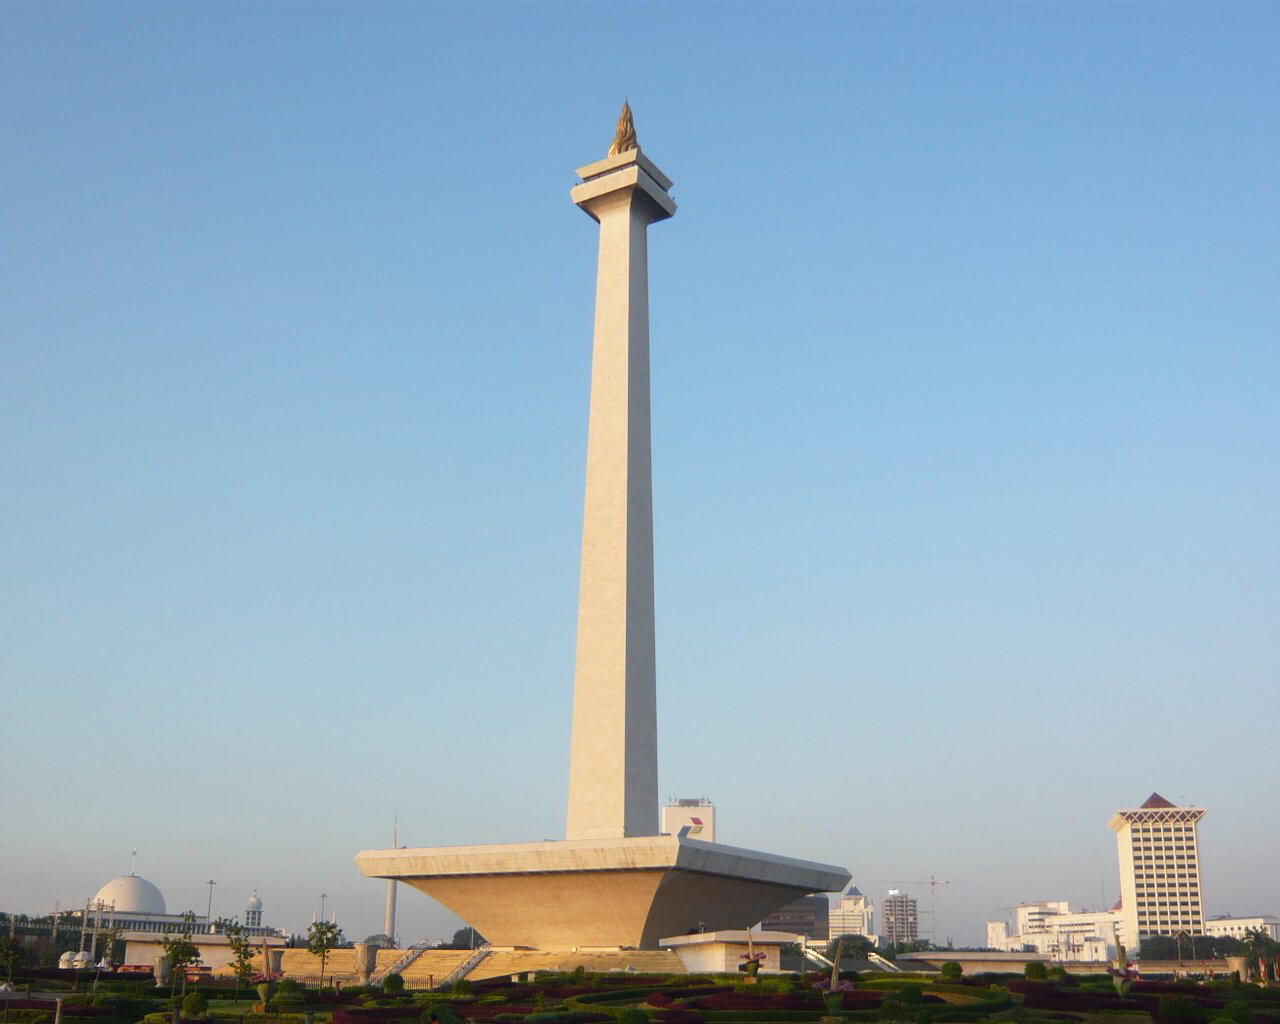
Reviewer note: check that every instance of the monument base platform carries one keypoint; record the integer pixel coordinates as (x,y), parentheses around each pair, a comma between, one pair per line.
(603,893)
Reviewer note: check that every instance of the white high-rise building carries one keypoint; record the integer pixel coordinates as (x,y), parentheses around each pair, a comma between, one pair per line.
(1159,870)
(852,914)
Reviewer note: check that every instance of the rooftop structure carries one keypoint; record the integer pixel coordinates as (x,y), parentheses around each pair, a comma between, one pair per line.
(697,814)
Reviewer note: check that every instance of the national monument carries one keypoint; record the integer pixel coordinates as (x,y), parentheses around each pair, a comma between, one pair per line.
(613,882)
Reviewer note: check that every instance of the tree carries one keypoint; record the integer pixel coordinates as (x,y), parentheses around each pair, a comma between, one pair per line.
(323,936)
(952,971)
(1035,971)
(241,953)
(12,953)
(856,947)
(465,938)
(181,953)
(108,937)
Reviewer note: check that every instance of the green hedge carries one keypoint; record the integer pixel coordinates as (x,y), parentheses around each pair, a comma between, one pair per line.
(779,1015)
(886,984)
(560,1017)
(614,995)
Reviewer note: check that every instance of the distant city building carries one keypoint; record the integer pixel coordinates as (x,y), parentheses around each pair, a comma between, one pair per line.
(807,916)
(899,917)
(1059,928)
(1239,927)
(852,914)
(1159,870)
(698,813)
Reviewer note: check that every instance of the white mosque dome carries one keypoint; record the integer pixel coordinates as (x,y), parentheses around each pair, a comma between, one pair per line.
(254,902)
(131,895)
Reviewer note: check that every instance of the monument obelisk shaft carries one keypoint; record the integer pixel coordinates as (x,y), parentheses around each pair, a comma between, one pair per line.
(613,772)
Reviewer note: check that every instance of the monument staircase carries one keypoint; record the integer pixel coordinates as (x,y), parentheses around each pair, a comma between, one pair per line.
(402,964)
(466,967)
(882,963)
(433,965)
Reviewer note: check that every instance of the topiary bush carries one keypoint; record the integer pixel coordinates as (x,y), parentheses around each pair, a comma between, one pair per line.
(952,971)
(1035,971)
(194,1005)
(633,1016)
(393,984)
(1179,1010)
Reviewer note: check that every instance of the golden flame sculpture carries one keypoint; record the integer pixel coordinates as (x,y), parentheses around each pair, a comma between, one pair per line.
(624,138)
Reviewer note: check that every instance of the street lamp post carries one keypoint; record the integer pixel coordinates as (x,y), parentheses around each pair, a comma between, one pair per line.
(208,910)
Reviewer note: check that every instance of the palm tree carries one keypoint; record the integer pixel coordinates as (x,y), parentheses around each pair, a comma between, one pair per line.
(1261,947)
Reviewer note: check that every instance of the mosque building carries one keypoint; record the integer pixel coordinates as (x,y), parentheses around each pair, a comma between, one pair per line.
(137,908)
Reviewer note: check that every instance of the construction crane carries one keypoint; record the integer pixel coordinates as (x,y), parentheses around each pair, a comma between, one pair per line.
(933,884)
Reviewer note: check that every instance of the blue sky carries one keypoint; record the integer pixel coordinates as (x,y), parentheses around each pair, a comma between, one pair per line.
(965,377)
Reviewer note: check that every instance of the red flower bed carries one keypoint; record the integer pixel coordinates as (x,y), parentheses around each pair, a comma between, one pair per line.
(1046,997)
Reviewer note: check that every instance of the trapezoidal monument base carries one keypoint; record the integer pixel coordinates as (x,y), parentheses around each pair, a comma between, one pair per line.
(605,893)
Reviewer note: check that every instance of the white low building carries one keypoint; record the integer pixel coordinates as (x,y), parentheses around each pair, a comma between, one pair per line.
(1060,929)
(1239,927)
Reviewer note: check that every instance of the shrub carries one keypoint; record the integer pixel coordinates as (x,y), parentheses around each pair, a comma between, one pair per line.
(393,984)
(1179,1010)
(1035,971)
(952,971)
(443,1013)
(461,987)
(288,985)
(1238,1011)
(633,1016)
(195,1005)
(911,995)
